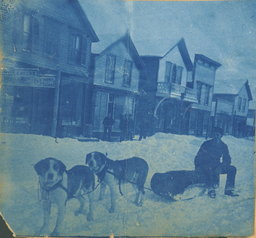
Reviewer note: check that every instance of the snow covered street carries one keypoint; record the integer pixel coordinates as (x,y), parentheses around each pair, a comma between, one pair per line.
(200,216)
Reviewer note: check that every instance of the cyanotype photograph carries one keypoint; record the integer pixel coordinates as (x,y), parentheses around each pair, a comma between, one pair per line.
(128,118)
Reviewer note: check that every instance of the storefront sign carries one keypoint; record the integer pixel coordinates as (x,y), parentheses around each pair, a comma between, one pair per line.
(29,79)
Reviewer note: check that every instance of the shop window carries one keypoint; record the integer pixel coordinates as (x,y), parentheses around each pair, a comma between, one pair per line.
(71,107)
(127,74)
(110,68)
(193,118)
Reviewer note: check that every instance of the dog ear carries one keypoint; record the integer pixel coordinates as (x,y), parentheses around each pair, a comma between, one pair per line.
(38,166)
(103,158)
(62,167)
(88,157)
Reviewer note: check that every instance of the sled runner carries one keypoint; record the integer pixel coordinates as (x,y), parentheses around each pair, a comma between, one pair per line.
(178,185)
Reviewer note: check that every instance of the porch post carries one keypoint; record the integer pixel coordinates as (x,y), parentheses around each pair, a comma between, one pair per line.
(56,104)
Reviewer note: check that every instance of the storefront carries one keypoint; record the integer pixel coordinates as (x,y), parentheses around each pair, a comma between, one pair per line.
(27,102)
(115,102)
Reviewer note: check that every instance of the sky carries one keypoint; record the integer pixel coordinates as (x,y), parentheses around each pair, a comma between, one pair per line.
(224,31)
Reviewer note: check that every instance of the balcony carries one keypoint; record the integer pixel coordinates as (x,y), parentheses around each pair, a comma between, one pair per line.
(173,90)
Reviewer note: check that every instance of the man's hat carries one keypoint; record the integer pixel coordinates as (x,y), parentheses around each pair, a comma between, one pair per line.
(218,129)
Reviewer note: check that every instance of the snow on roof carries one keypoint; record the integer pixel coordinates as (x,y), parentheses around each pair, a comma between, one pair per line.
(226,87)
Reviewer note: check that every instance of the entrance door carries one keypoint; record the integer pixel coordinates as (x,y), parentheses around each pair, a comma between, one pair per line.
(42,111)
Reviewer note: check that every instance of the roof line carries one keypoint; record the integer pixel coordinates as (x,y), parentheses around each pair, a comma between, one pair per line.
(84,19)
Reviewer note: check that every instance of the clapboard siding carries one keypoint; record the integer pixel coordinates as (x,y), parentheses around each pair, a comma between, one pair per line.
(45,11)
(121,53)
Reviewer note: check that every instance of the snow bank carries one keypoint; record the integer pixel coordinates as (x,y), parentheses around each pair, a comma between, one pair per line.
(201,216)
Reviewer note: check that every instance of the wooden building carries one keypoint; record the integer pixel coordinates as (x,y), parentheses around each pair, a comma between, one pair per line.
(116,72)
(239,95)
(46,48)
(178,92)
(203,82)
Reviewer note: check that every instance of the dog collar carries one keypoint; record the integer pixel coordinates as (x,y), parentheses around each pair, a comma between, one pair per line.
(102,173)
(56,185)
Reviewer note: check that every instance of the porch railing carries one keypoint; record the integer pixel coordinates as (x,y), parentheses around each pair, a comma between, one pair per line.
(176,90)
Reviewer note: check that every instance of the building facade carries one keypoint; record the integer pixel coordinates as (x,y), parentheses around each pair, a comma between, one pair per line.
(46,63)
(239,98)
(203,79)
(116,73)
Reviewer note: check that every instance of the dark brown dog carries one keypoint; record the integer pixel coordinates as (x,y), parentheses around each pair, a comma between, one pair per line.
(133,170)
(58,186)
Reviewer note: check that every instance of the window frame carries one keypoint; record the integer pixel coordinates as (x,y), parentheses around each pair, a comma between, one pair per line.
(127,71)
(110,71)
(77,56)
(27,33)
(244,104)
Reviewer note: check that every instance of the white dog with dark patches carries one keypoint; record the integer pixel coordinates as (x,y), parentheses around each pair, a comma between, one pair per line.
(133,170)
(58,186)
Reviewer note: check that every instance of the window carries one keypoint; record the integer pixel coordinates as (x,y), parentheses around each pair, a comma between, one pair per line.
(173,73)
(77,47)
(127,73)
(244,105)
(27,32)
(239,103)
(30,33)
(71,108)
(51,38)
(179,70)
(35,37)
(110,68)
(168,68)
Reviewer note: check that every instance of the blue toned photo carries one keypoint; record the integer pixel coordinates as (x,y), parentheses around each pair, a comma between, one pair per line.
(128,118)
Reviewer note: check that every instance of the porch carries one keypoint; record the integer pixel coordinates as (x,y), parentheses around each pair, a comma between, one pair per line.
(174,90)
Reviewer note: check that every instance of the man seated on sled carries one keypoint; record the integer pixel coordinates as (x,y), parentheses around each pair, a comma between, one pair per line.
(208,164)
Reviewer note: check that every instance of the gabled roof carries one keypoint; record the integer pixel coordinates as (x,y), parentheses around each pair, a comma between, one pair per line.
(206,60)
(184,53)
(127,42)
(226,88)
(84,20)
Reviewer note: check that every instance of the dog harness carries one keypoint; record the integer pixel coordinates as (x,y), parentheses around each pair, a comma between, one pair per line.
(101,175)
(55,186)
